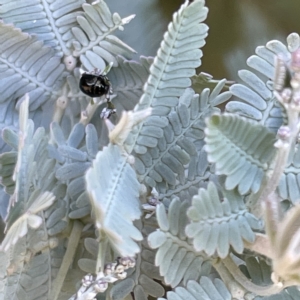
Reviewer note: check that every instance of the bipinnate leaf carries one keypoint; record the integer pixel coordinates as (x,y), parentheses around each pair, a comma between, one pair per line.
(28,219)
(36,68)
(51,21)
(171,145)
(128,80)
(175,62)
(206,289)
(144,281)
(70,27)
(216,225)
(74,155)
(32,279)
(253,97)
(92,41)
(241,149)
(181,44)
(114,194)
(27,172)
(176,258)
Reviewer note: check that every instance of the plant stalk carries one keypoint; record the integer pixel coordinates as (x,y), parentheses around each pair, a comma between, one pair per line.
(246,283)
(268,197)
(102,249)
(90,110)
(67,260)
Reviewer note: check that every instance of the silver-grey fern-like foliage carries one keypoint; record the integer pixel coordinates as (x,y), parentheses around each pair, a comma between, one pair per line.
(74,23)
(178,142)
(43,18)
(205,289)
(229,222)
(167,78)
(37,69)
(176,257)
(44,57)
(145,280)
(106,193)
(127,80)
(172,186)
(254,99)
(230,143)
(25,212)
(42,72)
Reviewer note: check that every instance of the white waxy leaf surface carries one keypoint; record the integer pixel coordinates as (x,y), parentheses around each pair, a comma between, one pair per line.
(113,189)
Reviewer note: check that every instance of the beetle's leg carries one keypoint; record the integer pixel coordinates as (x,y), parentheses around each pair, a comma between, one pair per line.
(110,90)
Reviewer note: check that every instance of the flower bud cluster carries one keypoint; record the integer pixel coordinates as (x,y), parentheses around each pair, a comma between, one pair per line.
(151,204)
(117,268)
(287,81)
(92,285)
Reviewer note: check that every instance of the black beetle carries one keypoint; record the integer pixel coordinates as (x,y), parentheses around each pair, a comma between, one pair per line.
(95,85)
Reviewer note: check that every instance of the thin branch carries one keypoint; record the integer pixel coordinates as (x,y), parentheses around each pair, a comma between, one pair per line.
(102,249)
(60,105)
(236,290)
(90,110)
(67,260)
(247,284)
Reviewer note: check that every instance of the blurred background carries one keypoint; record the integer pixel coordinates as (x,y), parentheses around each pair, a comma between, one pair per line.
(237,27)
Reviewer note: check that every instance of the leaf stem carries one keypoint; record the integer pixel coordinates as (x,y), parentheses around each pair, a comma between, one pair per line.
(90,110)
(67,260)
(60,105)
(246,283)
(268,197)
(102,249)
(236,290)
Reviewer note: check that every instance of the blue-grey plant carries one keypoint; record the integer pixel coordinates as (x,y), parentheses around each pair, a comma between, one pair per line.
(170,198)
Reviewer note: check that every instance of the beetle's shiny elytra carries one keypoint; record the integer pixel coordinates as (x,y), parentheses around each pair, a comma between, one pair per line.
(95,85)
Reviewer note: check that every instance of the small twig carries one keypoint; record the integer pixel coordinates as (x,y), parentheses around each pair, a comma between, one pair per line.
(287,91)
(89,112)
(246,283)
(67,260)
(60,106)
(284,148)
(236,290)
(289,97)
(287,136)
(101,254)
